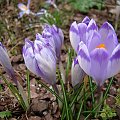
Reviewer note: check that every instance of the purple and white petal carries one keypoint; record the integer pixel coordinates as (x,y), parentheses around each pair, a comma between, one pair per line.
(84,58)
(77,74)
(114,62)
(91,28)
(29,58)
(94,41)
(28,4)
(86,20)
(82,31)
(5,61)
(106,29)
(55,36)
(74,35)
(47,64)
(21,14)
(92,25)
(110,42)
(22,7)
(99,61)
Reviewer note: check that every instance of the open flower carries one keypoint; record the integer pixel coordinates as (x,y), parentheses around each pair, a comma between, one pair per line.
(77,74)
(98,51)
(40,59)
(5,61)
(56,34)
(24,9)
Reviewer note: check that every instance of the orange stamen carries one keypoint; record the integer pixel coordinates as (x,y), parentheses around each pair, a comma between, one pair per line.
(101,46)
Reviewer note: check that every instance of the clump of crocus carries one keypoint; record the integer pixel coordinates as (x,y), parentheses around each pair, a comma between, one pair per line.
(98,50)
(57,35)
(40,59)
(5,61)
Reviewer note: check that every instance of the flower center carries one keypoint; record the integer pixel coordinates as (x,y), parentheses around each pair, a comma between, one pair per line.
(24,7)
(101,46)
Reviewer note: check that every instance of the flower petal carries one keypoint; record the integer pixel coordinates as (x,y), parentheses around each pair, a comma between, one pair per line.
(105,29)
(82,31)
(91,28)
(86,20)
(77,73)
(99,61)
(114,62)
(94,41)
(92,25)
(84,58)
(47,63)
(74,36)
(28,4)
(5,61)
(29,58)
(57,37)
(22,7)
(110,42)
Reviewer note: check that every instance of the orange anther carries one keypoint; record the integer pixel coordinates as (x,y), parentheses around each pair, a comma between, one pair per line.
(101,46)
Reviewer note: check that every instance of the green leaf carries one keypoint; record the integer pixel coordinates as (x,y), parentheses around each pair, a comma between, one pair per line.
(85,5)
(5,114)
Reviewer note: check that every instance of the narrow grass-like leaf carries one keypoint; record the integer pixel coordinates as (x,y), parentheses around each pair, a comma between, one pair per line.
(23,95)
(105,95)
(75,96)
(65,101)
(28,87)
(79,112)
(15,92)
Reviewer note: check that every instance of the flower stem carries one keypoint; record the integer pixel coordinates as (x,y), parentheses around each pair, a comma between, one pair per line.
(105,95)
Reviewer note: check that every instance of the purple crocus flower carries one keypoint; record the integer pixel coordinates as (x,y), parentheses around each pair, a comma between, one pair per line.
(78,32)
(40,59)
(57,36)
(24,9)
(77,74)
(98,51)
(5,61)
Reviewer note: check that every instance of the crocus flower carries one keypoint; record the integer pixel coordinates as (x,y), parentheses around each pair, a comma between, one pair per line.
(24,9)
(5,61)
(98,51)
(78,32)
(40,59)
(56,34)
(77,74)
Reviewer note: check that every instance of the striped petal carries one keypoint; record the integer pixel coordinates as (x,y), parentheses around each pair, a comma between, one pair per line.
(74,36)
(77,73)
(5,61)
(114,62)
(99,61)
(106,29)
(86,20)
(84,58)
